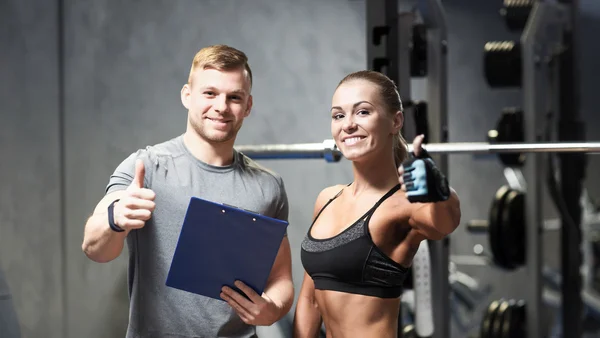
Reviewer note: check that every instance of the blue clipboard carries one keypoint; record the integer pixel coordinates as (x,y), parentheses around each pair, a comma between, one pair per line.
(220,244)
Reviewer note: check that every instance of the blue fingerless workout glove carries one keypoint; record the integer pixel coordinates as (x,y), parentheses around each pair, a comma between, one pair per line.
(423,179)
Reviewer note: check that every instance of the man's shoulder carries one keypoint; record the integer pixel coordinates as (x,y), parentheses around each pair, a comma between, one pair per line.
(256,169)
(168,148)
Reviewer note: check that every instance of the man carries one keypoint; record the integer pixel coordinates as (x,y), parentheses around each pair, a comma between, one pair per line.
(146,201)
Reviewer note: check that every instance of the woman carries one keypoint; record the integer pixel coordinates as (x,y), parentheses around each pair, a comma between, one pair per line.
(364,235)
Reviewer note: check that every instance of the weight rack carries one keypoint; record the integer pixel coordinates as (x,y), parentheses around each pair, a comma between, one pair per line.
(545,56)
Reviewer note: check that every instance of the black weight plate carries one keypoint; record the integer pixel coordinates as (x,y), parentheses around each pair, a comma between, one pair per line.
(518,217)
(488,319)
(510,129)
(494,230)
(513,229)
(499,319)
(508,320)
(518,327)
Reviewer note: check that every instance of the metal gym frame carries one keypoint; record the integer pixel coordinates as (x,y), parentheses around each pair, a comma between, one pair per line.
(549,71)
(389,42)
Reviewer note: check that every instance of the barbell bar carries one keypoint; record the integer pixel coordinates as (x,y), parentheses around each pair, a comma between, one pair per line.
(328,150)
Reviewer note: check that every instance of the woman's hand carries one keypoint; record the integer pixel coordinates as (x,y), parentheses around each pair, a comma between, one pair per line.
(420,178)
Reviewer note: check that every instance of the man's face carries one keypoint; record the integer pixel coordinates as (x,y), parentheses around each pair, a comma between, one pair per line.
(217,102)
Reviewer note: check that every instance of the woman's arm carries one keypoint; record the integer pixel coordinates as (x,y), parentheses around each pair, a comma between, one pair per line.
(437,220)
(307,318)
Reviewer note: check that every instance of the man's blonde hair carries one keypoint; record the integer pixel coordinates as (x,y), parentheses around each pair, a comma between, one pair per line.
(220,57)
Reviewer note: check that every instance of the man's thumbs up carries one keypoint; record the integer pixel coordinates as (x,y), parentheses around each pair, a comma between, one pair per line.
(137,205)
(140,172)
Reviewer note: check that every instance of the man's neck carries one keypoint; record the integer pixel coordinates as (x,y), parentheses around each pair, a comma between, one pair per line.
(215,154)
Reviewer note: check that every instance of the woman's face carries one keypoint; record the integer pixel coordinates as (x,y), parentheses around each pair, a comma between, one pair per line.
(360,124)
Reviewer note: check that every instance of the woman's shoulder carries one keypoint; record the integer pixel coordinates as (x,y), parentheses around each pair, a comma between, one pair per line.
(328,193)
(331,191)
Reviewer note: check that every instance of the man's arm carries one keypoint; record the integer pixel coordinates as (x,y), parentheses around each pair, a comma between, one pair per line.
(100,243)
(278,295)
(280,286)
(135,206)
(275,301)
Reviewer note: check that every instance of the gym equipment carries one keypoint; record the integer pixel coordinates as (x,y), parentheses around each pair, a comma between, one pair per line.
(543,65)
(466,301)
(516,13)
(422,290)
(502,60)
(502,64)
(549,85)
(546,37)
(328,150)
(504,318)
(507,318)
(409,331)
(509,129)
(421,121)
(418,51)
(506,226)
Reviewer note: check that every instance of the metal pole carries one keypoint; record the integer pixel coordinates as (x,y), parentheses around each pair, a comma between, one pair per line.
(382,37)
(572,174)
(540,41)
(328,150)
(434,19)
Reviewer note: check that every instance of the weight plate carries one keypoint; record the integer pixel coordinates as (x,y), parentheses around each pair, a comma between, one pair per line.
(510,129)
(513,229)
(488,319)
(494,230)
(518,323)
(508,320)
(499,319)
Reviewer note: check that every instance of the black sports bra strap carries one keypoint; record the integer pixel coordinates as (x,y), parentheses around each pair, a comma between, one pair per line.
(383,198)
(326,204)
(387,195)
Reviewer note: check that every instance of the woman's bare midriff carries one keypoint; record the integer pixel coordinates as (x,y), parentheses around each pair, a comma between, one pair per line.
(350,315)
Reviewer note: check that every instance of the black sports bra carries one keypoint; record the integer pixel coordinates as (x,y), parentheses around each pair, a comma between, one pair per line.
(350,261)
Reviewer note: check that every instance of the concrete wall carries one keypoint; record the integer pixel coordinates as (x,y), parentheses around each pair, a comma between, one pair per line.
(31,235)
(124,67)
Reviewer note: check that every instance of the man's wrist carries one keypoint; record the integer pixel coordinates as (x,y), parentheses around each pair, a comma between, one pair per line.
(111,218)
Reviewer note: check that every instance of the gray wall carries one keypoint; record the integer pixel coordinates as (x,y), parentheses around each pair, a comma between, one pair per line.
(124,67)
(31,237)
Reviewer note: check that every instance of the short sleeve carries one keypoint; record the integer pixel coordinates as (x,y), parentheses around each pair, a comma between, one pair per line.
(123,175)
(282,211)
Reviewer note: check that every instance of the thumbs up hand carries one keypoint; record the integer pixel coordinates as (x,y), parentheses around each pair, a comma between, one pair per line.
(136,206)
(421,179)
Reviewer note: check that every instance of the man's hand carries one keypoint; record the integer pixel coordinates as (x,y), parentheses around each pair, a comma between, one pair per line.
(258,310)
(136,206)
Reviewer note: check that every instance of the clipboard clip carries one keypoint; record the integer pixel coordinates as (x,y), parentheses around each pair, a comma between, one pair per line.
(236,207)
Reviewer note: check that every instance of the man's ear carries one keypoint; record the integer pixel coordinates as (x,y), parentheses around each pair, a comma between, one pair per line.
(249,108)
(186,91)
(398,121)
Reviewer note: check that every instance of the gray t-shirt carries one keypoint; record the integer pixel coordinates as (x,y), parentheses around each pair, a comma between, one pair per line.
(175,176)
